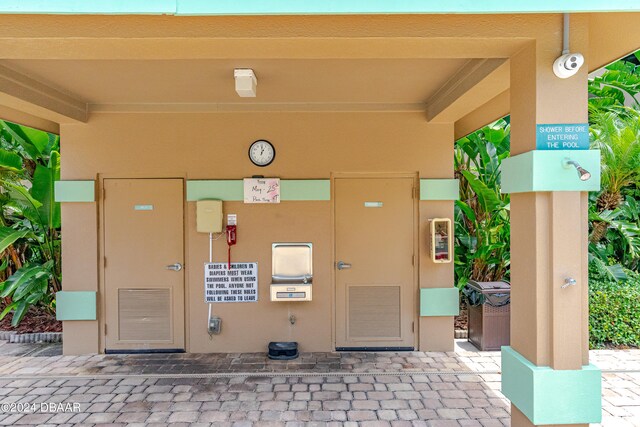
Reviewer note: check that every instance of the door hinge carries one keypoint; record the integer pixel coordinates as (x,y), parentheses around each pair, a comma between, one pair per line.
(105,329)
(413,260)
(413,326)
(104,262)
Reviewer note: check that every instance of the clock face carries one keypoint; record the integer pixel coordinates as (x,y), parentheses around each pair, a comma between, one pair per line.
(262,153)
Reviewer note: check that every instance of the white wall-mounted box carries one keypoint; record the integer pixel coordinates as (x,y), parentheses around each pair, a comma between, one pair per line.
(209,216)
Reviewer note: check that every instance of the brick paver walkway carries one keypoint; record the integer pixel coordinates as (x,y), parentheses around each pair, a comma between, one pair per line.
(412,389)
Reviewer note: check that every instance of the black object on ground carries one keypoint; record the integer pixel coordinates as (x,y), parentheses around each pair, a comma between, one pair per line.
(283,350)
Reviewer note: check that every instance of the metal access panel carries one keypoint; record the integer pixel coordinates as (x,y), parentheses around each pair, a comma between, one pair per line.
(292,272)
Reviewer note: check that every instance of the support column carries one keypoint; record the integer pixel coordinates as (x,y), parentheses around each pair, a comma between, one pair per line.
(77,302)
(438,296)
(548,358)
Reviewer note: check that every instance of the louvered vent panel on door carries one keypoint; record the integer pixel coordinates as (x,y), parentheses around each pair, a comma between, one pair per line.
(374,311)
(144,314)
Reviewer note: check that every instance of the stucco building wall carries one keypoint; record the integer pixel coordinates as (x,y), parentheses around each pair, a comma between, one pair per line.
(214,146)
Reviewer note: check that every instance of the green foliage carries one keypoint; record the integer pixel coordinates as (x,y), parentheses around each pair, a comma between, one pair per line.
(9,161)
(617,136)
(8,237)
(482,213)
(30,271)
(617,85)
(44,178)
(620,244)
(614,311)
(614,223)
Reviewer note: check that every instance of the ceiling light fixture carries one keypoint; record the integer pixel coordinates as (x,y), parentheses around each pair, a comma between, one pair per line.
(246,82)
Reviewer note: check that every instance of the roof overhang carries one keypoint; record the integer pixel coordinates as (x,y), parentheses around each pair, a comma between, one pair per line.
(63,60)
(310,7)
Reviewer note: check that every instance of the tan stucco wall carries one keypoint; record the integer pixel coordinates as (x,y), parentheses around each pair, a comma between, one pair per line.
(435,332)
(16,116)
(203,146)
(214,146)
(80,271)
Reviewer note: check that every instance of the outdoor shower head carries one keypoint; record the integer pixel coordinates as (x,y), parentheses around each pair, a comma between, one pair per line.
(583,174)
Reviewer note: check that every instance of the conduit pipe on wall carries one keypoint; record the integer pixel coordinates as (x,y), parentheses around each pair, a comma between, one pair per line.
(568,63)
(565,33)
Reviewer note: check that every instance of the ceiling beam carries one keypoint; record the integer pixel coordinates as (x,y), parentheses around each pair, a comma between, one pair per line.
(467,89)
(15,116)
(606,42)
(256,106)
(22,93)
(174,48)
(491,111)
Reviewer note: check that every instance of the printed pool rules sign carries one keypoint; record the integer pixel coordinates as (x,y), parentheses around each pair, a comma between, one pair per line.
(562,137)
(240,284)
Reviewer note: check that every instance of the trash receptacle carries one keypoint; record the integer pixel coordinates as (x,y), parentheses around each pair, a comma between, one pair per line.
(489,314)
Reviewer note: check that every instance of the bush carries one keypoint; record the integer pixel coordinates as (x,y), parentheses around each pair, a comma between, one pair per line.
(30,267)
(614,311)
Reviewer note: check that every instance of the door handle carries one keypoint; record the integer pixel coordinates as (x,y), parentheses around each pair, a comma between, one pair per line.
(175,267)
(341,265)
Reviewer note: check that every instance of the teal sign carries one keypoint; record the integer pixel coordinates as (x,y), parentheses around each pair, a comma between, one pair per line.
(562,137)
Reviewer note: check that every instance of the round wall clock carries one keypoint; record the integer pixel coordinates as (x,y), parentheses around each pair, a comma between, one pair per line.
(262,153)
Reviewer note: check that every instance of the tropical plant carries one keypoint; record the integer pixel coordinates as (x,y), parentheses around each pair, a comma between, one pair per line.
(614,238)
(618,139)
(482,213)
(29,219)
(621,243)
(618,85)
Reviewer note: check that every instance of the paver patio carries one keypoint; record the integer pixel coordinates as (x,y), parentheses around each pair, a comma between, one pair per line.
(460,388)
